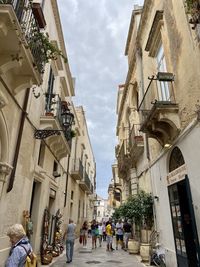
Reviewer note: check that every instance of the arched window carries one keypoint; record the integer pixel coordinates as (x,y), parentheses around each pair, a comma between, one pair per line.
(176,159)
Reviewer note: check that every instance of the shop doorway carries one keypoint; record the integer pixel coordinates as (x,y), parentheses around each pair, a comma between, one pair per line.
(183,217)
(34,208)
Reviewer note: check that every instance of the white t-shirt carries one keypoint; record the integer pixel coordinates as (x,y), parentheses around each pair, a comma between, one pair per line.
(100,227)
(119,228)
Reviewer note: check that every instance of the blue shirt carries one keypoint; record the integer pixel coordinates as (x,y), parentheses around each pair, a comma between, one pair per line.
(18,254)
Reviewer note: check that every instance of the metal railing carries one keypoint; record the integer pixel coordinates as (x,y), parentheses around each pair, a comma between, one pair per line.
(30,29)
(134,133)
(87,180)
(77,166)
(157,92)
(55,108)
(123,152)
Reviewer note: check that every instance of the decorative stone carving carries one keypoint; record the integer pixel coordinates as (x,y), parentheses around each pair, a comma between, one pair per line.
(5,169)
(3,100)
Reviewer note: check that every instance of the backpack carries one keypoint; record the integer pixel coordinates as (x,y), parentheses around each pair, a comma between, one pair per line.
(31,259)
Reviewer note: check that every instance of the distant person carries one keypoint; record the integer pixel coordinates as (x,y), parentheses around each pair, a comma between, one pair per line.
(70,238)
(100,236)
(89,229)
(119,234)
(109,236)
(104,231)
(127,227)
(84,233)
(94,233)
(20,246)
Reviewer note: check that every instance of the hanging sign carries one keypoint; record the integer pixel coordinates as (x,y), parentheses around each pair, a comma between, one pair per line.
(176,175)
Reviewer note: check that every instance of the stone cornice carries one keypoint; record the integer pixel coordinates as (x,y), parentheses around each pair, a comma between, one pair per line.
(62,43)
(131,27)
(143,20)
(154,28)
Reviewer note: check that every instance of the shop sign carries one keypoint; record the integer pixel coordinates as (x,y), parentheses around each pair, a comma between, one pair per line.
(176,175)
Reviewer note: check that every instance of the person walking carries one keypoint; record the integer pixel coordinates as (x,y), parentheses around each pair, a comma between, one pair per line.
(127,227)
(20,246)
(109,236)
(100,236)
(104,231)
(70,238)
(94,233)
(84,233)
(119,234)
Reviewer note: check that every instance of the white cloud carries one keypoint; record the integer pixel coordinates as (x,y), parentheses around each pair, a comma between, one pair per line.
(95,33)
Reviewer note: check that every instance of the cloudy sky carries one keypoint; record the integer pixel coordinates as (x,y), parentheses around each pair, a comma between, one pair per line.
(95,33)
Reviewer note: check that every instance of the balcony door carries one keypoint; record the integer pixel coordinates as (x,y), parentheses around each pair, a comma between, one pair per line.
(163,87)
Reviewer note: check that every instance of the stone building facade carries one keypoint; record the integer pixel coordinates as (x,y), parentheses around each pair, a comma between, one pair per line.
(47,167)
(158,121)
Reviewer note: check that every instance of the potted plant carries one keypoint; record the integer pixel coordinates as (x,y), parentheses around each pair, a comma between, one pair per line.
(139,209)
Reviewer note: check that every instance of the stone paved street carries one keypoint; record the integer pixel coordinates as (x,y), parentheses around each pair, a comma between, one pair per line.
(98,257)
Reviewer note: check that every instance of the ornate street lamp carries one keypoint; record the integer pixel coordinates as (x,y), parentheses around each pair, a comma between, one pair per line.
(67,119)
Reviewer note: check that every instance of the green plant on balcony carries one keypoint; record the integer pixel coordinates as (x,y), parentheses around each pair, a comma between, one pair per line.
(193,9)
(72,133)
(50,51)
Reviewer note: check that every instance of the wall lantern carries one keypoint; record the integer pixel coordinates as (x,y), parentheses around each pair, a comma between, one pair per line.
(67,119)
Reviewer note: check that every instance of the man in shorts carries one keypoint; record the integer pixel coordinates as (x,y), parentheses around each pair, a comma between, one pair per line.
(119,234)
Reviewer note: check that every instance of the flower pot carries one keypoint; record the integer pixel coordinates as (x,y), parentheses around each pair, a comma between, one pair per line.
(49,114)
(145,251)
(133,246)
(145,235)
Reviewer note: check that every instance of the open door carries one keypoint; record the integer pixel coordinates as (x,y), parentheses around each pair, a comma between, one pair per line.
(184,224)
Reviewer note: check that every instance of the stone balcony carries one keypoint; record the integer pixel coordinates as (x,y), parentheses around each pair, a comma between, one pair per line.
(22,57)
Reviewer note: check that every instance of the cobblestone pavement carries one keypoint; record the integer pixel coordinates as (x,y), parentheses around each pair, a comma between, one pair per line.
(99,257)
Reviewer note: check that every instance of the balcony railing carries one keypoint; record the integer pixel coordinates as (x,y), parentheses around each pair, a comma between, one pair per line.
(123,157)
(86,184)
(135,135)
(55,109)
(30,28)
(136,142)
(160,118)
(77,169)
(157,92)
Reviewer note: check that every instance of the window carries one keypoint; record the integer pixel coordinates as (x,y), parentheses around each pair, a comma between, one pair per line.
(49,94)
(41,155)
(163,87)
(72,195)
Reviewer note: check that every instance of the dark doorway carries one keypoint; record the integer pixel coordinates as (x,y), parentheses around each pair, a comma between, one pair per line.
(183,217)
(185,234)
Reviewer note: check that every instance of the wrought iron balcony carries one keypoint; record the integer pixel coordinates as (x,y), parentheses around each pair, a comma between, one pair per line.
(57,110)
(159,110)
(136,142)
(77,169)
(123,159)
(31,20)
(85,183)
(55,125)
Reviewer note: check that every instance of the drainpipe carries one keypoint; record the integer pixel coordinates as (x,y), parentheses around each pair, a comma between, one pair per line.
(19,139)
(67,178)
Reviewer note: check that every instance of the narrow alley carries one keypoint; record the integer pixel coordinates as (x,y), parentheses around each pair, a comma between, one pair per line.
(98,257)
